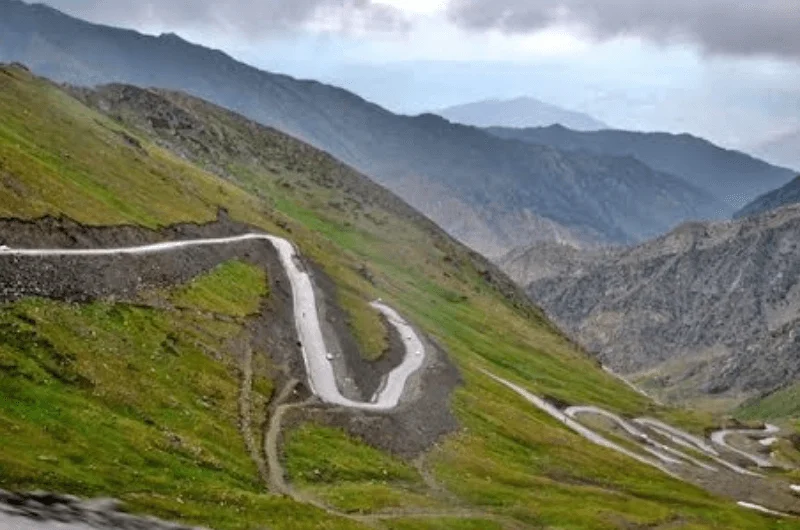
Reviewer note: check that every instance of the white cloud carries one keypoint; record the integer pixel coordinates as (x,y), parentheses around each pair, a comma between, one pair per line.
(731,27)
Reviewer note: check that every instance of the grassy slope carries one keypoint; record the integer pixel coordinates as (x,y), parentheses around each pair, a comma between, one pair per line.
(58,157)
(233,289)
(111,398)
(349,475)
(780,405)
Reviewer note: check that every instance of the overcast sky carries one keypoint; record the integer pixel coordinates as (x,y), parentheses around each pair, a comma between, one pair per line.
(725,69)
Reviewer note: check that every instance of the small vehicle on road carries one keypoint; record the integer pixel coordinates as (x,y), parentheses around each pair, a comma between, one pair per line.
(4,248)
(329,356)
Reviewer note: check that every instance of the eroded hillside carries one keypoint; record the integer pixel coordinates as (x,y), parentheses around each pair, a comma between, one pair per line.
(707,313)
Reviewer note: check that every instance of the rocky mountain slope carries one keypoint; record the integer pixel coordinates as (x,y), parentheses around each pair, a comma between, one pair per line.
(731,176)
(789,194)
(708,313)
(214,425)
(519,112)
(491,193)
(550,259)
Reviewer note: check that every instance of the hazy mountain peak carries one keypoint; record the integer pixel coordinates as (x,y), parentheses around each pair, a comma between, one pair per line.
(491,193)
(522,111)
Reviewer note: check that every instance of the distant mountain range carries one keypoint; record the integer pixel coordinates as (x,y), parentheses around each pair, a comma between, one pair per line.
(708,312)
(731,176)
(491,193)
(789,194)
(520,112)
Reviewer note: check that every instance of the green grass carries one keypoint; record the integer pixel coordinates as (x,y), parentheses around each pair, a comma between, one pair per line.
(233,288)
(322,455)
(443,524)
(109,399)
(112,399)
(349,474)
(782,405)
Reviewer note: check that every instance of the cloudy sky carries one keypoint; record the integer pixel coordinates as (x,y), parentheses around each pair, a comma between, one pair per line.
(725,69)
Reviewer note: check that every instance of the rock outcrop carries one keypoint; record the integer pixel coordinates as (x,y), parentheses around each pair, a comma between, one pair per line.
(45,511)
(709,310)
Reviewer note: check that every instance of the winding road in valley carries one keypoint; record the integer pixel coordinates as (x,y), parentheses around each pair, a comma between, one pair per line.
(667,459)
(324,384)
(320,371)
(721,438)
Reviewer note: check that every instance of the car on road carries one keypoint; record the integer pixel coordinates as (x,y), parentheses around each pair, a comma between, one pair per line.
(4,248)
(329,356)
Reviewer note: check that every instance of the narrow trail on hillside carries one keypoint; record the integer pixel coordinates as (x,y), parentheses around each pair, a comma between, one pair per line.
(322,378)
(277,475)
(280,485)
(246,412)
(721,438)
(668,459)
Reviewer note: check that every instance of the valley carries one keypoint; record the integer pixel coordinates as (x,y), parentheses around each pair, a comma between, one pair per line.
(493,194)
(235,299)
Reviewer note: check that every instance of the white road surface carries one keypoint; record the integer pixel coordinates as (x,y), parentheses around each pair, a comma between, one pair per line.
(690,441)
(660,451)
(678,436)
(321,375)
(579,428)
(759,508)
(720,438)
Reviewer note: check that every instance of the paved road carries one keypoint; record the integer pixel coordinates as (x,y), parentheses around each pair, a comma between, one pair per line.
(578,427)
(662,452)
(720,438)
(323,382)
(677,435)
(321,376)
(690,441)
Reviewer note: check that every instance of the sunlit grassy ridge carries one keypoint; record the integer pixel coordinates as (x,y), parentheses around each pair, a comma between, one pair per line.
(58,157)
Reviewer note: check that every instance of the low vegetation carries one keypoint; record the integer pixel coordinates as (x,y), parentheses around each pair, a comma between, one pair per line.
(111,399)
(349,475)
(784,404)
(234,289)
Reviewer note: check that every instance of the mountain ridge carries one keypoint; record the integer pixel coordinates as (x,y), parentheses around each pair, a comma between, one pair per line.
(211,363)
(580,198)
(731,176)
(704,314)
(781,150)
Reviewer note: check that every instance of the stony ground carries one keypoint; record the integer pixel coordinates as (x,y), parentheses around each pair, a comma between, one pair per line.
(50,511)
(710,310)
